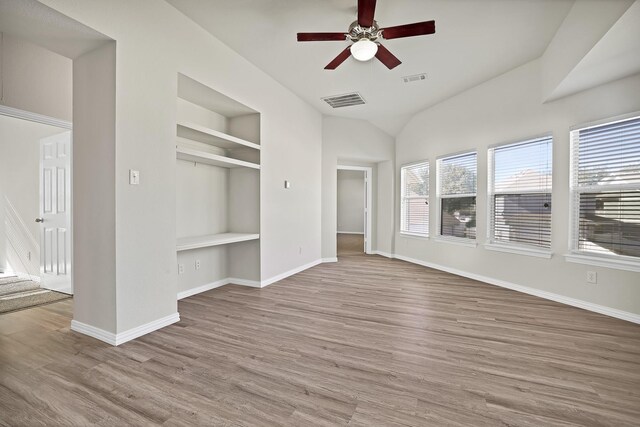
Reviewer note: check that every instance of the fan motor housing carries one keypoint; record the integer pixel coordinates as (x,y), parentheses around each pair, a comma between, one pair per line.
(357,32)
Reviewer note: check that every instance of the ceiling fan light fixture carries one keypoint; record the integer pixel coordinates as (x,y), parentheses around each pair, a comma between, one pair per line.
(364,50)
(364,32)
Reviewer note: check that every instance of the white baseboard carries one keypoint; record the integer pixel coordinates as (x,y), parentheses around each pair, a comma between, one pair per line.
(92,331)
(351,232)
(251,283)
(384,254)
(123,337)
(608,311)
(134,333)
(203,288)
(217,284)
(286,274)
(244,282)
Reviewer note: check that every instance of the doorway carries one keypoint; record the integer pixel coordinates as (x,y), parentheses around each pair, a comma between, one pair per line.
(353,210)
(35,209)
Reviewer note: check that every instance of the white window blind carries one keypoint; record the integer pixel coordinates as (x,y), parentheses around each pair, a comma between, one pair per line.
(520,193)
(415,199)
(605,186)
(457,181)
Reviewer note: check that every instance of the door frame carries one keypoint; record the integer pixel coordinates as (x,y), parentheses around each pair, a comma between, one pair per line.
(52,121)
(368,171)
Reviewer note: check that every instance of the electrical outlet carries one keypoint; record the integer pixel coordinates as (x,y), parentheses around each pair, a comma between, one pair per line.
(197,264)
(180,268)
(592,277)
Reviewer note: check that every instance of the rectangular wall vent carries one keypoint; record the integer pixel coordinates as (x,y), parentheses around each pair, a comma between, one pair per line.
(414,78)
(346,100)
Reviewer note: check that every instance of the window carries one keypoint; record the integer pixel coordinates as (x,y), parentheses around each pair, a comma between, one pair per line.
(414,210)
(520,193)
(457,176)
(605,185)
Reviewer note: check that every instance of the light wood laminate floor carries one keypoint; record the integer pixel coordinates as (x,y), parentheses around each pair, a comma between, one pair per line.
(364,342)
(350,244)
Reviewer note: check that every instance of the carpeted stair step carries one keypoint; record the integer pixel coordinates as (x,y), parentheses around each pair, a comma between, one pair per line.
(13,284)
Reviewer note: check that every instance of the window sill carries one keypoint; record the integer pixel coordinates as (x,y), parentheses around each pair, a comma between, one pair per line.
(460,241)
(414,235)
(519,250)
(601,261)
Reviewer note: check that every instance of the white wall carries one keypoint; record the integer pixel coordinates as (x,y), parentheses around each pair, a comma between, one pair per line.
(386,208)
(201,208)
(35,79)
(355,143)
(201,199)
(154,43)
(508,108)
(351,201)
(19,193)
(94,188)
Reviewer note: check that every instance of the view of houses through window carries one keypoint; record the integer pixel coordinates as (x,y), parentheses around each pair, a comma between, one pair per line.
(606,188)
(520,193)
(457,181)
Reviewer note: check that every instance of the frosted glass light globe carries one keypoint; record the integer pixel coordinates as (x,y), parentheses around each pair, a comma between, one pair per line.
(364,49)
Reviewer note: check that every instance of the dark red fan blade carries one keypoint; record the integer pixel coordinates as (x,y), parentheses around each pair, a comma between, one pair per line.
(387,58)
(339,59)
(366,10)
(321,37)
(409,30)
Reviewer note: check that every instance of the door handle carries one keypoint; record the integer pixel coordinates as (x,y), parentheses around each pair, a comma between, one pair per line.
(39,219)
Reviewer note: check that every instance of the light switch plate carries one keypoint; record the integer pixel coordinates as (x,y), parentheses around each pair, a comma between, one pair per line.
(134,177)
(287,184)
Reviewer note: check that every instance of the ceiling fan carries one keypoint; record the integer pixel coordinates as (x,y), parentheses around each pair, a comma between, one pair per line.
(364,32)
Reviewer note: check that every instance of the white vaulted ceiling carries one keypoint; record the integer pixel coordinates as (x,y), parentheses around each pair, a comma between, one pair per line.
(475,40)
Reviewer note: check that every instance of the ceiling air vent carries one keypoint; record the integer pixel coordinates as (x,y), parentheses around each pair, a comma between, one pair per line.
(346,100)
(414,78)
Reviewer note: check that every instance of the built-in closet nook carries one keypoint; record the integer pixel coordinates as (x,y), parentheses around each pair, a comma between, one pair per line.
(217,188)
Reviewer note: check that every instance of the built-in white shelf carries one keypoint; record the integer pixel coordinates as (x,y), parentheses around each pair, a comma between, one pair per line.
(188,243)
(198,156)
(207,135)
(214,129)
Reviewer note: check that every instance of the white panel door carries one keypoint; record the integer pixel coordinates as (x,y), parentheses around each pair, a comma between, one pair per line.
(55,212)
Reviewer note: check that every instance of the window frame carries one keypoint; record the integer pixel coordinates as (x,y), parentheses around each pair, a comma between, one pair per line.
(620,262)
(439,237)
(408,233)
(508,247)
